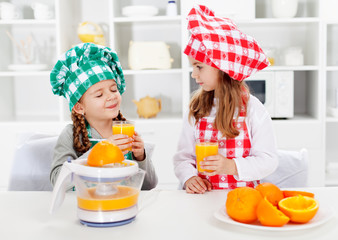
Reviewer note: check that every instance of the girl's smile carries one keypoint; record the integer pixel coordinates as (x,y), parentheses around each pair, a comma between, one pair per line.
(112,106)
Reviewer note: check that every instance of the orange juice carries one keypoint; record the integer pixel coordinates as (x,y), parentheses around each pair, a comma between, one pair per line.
(124,127)
(205,149)
(124,198)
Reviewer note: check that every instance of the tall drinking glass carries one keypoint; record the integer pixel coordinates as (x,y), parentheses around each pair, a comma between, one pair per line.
(124,127)
(203,150)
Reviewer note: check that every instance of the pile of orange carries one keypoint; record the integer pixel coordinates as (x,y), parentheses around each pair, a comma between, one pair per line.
(103,153)
(270,205)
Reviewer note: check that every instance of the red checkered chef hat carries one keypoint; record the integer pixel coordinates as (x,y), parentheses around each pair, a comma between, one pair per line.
(218,42)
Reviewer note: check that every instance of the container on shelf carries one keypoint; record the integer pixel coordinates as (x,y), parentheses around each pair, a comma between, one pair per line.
(171,8)
(149,55)
(293,56)
(42,11)
(9,11)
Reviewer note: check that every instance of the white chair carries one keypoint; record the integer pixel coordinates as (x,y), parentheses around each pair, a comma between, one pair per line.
(291,171)
(32,163)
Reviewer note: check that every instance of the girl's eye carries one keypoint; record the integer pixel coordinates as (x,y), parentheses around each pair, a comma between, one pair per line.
(114,89)
(199,67)
(99,95)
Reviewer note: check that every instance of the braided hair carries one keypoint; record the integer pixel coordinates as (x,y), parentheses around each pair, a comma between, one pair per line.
(80,135)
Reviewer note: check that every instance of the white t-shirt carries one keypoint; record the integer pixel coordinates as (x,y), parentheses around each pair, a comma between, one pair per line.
(262,160)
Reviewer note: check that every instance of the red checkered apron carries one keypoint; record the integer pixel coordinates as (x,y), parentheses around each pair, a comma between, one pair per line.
(230,148)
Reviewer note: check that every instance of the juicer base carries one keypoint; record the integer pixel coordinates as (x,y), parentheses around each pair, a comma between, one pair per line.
(107,224)
(107,216)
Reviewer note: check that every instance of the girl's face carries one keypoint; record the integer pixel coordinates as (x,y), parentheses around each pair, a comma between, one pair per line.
(100,102)
(206,76)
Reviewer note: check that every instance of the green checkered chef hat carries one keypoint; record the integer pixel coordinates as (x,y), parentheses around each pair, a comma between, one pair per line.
(81,67)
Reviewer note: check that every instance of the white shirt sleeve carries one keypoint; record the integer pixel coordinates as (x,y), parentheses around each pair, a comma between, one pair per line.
(262,160)
(184,159)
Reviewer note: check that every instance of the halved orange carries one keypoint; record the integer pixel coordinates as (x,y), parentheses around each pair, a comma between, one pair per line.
(271,191)
(300,209)
(241,204)
(290,193)
(103,153)
(269,215)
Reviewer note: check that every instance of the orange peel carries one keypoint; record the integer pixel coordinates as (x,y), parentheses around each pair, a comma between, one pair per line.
(300,209)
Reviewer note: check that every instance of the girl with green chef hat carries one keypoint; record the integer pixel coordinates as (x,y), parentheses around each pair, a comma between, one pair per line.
(90,77)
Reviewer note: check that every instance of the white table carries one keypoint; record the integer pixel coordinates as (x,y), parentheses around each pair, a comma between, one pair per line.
(163,215)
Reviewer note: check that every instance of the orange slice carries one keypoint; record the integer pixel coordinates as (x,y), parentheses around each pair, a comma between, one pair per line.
(300,209)
(289,193)
(271,191)
(104,153)
(269,215)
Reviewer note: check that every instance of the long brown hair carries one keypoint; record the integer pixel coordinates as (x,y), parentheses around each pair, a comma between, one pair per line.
(80,134)
(233,96)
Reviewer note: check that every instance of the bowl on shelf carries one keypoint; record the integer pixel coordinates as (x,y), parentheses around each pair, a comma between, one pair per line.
(284,8)
(139,11)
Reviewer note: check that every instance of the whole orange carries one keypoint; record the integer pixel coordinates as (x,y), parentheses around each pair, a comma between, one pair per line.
(241,204)
(103,153)
(269,215)
(300,209)
(271,191)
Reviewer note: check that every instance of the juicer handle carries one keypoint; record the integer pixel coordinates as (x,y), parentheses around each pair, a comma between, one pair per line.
(61,186)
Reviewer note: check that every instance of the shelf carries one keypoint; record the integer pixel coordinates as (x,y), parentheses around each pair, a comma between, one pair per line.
(27,22)
(332,22)
(152,71)
(24,73)
(147,19)
(293,68)
(330,119)
(38,122)
(279,20)
(160,117)
(288,68)
(332,68)
(298,118)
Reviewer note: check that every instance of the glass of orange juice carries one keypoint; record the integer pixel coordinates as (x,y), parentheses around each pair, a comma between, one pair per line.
(205,149)
(124,127)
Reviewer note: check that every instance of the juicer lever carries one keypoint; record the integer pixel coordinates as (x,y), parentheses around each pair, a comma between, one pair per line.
(61,186)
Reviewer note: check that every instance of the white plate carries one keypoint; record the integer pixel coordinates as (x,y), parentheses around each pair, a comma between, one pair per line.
(27,67)
(323,215)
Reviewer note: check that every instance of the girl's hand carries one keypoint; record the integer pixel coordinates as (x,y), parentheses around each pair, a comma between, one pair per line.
(219,164)
(138,147)
(122,141)
(197,185)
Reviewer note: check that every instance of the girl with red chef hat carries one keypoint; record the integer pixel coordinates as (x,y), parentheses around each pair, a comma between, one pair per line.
(223,110)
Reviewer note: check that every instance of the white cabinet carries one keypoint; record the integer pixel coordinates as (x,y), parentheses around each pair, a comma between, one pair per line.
(331,88)
(25,85)
(26,98)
